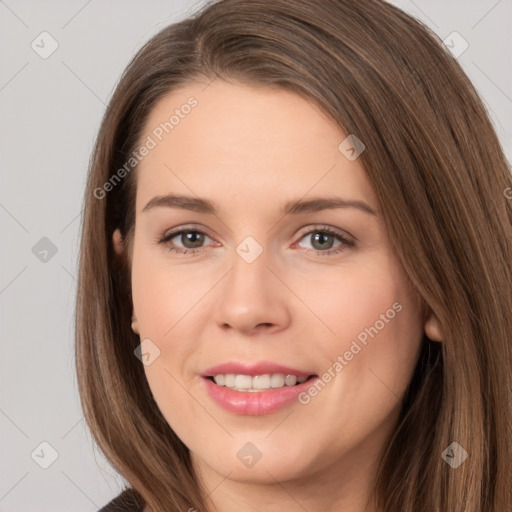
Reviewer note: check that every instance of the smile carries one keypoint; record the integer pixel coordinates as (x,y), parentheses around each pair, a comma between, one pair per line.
(255,389)
(258,383)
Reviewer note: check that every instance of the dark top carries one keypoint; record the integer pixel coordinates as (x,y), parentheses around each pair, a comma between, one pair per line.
(127,501)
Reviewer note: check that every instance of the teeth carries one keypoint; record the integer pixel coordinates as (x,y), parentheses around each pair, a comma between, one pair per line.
(229,380)
(243,382)
(290,380)
(258,382)
(261,382)
(277,380)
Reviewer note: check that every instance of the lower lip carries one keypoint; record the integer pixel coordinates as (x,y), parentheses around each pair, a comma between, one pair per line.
(258,402)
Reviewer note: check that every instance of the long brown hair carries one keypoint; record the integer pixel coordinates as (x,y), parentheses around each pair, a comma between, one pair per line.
(441,177)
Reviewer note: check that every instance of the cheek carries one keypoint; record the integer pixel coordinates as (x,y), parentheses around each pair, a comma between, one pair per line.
(376,331)
(367,366)
(166,296)
(390,344)
(169,305)
(355,301)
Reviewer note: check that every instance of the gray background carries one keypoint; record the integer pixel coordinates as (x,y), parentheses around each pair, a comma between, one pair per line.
(50,112)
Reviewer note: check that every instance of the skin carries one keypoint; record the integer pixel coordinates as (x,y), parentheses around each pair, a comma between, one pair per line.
(250,150)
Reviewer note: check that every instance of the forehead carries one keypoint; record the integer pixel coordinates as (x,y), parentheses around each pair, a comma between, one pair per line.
(246,143)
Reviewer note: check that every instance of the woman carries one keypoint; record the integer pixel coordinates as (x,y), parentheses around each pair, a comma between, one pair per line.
(295,269)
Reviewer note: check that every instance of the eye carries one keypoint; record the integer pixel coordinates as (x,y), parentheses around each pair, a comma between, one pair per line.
(191,240)
(323,240)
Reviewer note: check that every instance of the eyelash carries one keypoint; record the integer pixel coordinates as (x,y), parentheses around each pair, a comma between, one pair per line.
(317,229)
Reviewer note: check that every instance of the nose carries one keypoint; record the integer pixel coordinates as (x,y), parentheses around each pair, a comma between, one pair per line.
(252,299)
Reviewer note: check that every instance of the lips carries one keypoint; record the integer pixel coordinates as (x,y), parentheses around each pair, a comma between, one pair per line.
(255,389)
(261,368)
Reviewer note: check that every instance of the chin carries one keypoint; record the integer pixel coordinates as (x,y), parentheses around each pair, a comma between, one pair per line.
(260,466)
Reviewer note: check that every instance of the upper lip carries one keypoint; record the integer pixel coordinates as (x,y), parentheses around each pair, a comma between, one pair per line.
(252,369)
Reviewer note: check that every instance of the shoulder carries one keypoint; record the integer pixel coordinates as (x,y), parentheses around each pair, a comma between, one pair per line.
(128,501)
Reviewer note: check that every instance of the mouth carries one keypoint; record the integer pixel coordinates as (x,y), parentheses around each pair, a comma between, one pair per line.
(258,383)
(255,389)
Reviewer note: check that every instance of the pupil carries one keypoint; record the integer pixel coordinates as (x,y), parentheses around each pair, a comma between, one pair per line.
(195,238)
(322,238)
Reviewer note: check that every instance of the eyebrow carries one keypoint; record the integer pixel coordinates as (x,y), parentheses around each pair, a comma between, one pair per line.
(199,205)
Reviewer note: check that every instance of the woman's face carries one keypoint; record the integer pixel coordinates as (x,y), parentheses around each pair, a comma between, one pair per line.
(283,272)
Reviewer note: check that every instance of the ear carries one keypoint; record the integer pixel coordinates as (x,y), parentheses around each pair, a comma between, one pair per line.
(118,243)
(135,324)
(119,249)
(433,328)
